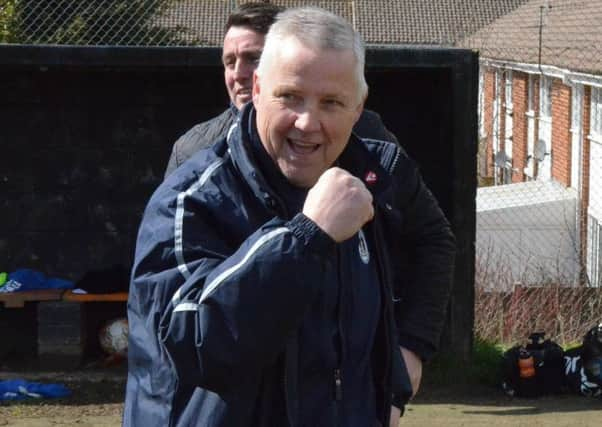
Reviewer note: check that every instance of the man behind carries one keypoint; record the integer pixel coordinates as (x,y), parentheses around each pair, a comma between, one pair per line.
(261,289)
(246,28)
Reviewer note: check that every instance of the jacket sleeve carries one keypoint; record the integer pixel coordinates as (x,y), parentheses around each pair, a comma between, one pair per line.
(192,141)
(425,257)
(172,164)
(235,309)
(200,136)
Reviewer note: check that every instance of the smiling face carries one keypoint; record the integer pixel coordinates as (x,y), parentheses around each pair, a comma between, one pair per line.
(240,56)
(307,101)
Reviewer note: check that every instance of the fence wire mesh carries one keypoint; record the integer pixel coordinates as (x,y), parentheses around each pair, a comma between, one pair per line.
(539,202)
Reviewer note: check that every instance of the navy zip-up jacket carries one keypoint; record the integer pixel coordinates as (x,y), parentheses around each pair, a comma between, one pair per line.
(229,289)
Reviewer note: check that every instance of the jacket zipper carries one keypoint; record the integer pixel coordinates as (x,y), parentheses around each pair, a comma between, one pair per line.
(338,388)
(337,373)
(339,342)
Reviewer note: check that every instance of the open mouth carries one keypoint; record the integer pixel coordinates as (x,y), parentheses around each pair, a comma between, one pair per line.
(302,148)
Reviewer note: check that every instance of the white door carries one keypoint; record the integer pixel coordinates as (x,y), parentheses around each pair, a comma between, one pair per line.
(594,211)
(496,124)
(576,136)
(530,169)
(544,167)
(594,217)
(508,128)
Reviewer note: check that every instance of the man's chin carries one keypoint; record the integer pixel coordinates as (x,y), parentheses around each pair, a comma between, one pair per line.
(242,100)
(300,180)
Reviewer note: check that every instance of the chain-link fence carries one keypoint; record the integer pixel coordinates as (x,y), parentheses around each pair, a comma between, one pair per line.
(97,22)
(539,203)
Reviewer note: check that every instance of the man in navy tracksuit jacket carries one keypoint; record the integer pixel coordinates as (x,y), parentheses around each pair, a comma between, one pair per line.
(264,282)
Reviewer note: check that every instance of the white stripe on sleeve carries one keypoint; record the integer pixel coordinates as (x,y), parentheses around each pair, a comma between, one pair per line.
(228,272)
(179,217)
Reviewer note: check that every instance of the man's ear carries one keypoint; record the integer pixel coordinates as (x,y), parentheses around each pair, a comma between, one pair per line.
(256,87)
(360,108)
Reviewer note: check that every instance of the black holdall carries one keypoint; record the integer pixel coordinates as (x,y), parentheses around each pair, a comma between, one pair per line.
(592,354)
(583,365)
(533,370)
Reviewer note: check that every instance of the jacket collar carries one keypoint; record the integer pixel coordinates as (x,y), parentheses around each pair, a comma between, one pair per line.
(356,158)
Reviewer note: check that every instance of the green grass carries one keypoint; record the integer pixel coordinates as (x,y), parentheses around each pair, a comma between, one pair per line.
(445,369)
(484,368)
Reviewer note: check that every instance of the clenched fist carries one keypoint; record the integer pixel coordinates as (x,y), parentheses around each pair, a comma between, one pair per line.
(339,203)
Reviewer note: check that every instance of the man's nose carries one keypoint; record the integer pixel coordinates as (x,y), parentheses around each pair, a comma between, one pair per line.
(242,71)
(308,120)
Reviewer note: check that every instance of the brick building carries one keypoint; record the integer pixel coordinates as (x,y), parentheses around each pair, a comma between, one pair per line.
(541,108)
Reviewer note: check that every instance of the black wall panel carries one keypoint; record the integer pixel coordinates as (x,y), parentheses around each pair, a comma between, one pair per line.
(85,135)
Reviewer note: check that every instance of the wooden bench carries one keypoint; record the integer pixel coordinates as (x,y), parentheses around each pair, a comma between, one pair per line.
(64,325)
(18,299)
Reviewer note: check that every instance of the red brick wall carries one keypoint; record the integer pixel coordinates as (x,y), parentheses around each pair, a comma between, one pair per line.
(561,132)
(520,97)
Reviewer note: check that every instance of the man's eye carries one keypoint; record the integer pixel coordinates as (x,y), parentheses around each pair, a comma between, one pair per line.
(332,103)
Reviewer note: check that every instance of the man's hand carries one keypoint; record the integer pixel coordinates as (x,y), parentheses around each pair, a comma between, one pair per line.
(339,203)
(414,367)
(395,415)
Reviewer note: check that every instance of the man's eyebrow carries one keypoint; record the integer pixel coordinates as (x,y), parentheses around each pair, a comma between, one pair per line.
(253,52)
(285,88)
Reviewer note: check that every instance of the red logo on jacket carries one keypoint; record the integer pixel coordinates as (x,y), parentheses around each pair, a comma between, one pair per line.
(370,178)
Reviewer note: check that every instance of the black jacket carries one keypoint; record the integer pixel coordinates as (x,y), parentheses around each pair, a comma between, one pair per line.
(226,281)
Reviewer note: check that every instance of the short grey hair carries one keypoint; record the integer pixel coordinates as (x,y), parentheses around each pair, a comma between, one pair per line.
(316,27)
